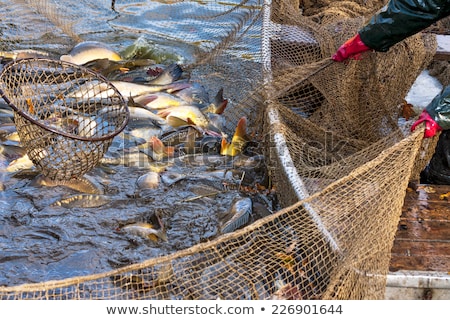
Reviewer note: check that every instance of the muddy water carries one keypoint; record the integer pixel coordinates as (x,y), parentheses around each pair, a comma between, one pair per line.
(42,239)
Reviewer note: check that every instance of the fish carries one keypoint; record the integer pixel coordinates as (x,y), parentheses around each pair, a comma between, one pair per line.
(170,178)
(87,51)
(218,105)
(130,89)
(12,152)
(19,164)
(238,141)
(240,212)
(143,48)
(12,137)
(196,94)
(156,149)
(183,115)
(150,180)
(92,90)
(195,143)
(116,70)
(159,100)
(23,54)
(145,230)
(101,90)
(81,184)
(179,135)
(170,74)
(216,123)
(83,201)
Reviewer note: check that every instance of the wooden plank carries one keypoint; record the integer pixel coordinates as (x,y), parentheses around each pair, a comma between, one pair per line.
(425,211)
(422,241)
(424,230)
(428,193)
(443,47)
(409,248)
(419,263)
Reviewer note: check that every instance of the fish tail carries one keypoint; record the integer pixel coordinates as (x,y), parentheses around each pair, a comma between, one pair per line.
(157,144)
(224,147)
(220,102)
(175,71)
(241,129)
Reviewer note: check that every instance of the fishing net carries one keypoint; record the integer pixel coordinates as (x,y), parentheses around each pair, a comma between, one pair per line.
(339,152)
(64,118)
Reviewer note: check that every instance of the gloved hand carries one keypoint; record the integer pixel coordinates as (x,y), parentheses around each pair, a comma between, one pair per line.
(351,49)
(431,126)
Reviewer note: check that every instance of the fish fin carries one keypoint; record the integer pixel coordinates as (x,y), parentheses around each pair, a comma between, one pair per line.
(157,144)
(169,150)
(143,100)
(241,130)
(175,121)
(190,121)
(221,107)
(163,113)
(219,102)
(224,147)
(177,86)
(175,71)
(66,58)
(171,74)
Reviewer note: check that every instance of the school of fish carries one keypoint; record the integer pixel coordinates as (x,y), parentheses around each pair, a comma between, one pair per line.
(175,140)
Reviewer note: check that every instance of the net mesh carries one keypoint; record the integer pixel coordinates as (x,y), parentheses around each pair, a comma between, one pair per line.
(339,158)
(64,118)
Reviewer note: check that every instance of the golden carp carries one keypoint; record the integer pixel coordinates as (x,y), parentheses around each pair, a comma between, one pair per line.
(145,230)
(156,149)
(23,54)
(238,141)
(159,100)
(184,115)
(87,51)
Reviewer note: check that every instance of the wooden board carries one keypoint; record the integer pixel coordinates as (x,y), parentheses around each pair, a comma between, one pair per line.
(443,47)
(422,241)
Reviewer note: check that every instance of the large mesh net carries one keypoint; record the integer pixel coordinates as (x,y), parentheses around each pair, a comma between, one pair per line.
(339,157)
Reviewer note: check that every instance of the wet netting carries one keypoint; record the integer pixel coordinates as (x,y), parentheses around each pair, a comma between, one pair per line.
(338,155)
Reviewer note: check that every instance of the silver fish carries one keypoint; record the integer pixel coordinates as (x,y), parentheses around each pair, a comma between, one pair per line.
(240,212)
(150,180)
(81,184)
(82,201)
(101,90)
(170,74)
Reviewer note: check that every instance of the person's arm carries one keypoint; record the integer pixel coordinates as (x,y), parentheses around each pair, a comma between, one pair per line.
(436,115)
(398,20)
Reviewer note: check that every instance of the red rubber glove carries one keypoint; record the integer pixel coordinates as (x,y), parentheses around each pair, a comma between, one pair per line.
(351,49)
(431,126)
